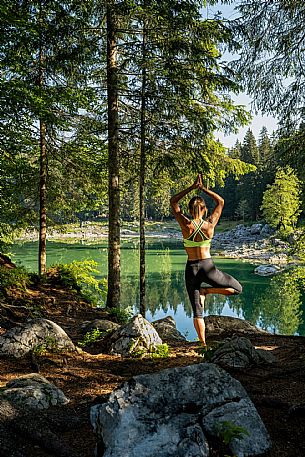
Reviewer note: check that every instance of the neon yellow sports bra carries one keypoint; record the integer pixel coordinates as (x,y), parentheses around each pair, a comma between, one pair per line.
(204,242)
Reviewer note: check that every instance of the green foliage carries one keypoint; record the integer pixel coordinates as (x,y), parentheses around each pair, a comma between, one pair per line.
(298,244)
(271,57)
(228,431)
(120,315)
(49,343)
(15,277)
(90,337)
(281,201)
(162,352)
(79,275)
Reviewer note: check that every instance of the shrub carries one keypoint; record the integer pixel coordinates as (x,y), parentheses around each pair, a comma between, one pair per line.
(16,277)
(120,315)
(90,337)
(80,276)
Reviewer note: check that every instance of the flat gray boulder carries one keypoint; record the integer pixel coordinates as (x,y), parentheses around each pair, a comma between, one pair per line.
(167,330)
(172,413)
(33,391)
(238,352)
(35,334)
(138,337)
(227,325)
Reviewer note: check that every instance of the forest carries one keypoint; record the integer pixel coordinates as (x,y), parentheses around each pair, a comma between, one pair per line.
(108,108)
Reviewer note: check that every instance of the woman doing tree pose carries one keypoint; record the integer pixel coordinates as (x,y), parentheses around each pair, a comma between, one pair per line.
(197,234)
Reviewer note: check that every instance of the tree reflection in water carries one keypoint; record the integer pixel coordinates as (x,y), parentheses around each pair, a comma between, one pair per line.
(281,304)
(275,305)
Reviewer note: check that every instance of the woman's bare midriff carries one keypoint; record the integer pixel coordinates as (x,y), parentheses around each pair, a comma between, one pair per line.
(199,253)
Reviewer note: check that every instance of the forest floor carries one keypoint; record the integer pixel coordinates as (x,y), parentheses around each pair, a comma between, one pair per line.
(87,378)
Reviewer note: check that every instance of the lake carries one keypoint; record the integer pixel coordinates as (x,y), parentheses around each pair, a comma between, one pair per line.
(262,301)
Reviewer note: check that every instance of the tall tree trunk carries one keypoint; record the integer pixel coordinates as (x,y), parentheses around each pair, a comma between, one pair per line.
(114,292)
(42,262)
(142,178)
(42,254)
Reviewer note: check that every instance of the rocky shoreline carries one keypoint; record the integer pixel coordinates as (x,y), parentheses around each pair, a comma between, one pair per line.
(256,243)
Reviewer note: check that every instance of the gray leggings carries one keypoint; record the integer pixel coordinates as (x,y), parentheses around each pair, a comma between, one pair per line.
(198,271)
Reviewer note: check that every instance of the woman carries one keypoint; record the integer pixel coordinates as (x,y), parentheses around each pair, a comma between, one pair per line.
(197,234)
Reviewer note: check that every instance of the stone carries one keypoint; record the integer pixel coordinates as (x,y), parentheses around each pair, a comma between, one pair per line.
(138,337)
(238,352)
(167,330)
(227,325)
(35,334)
(167,414)
(267,270)
(242,414)
(256,229)
(266,230)
(33,391)
(103,325)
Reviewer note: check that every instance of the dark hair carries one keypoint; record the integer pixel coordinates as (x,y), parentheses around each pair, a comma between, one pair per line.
(196,207)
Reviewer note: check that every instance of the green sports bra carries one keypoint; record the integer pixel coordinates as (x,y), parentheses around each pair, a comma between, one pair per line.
(204,242)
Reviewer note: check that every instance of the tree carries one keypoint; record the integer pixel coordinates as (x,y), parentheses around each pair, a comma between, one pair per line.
(281,201)
(44,51)
(248,188)
(272,55)
(114,285)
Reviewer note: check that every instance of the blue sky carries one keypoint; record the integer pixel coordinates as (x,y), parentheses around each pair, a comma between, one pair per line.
(258,120)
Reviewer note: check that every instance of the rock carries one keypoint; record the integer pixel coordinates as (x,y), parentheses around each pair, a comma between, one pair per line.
(267,270)
(266,230)
(18,341)
(166,414)
(135,338)
(227,325)
(33,391)
(238,352)
(255,229)
(239,414)
(103,325)
(167,330)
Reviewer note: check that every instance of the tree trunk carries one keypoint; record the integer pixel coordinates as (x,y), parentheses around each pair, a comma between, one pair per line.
(113,297)
(142,179)
(42,262)
(42,254)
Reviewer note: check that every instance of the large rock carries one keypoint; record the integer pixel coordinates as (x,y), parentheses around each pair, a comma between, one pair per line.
(267,270)
(227,325)
(135,338)
(167,330)
(103,325)
(35,334)
(166,414)
(33,391)
(238,352)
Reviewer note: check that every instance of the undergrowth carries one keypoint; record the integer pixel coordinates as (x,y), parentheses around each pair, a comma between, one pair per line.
(79,275)
(16,277)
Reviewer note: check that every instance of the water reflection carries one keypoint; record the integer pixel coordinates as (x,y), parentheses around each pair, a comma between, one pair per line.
(276,306)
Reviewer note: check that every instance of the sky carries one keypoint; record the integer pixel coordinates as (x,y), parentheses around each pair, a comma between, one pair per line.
(258,120)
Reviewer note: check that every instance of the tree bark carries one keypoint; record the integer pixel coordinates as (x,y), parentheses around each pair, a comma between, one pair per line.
(114,268)
(42,254)
(142,179)
(42,262)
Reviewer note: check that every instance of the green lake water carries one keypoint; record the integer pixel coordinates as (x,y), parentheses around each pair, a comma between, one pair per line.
(262,301)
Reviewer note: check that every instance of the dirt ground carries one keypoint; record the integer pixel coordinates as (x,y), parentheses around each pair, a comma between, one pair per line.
(277,390)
